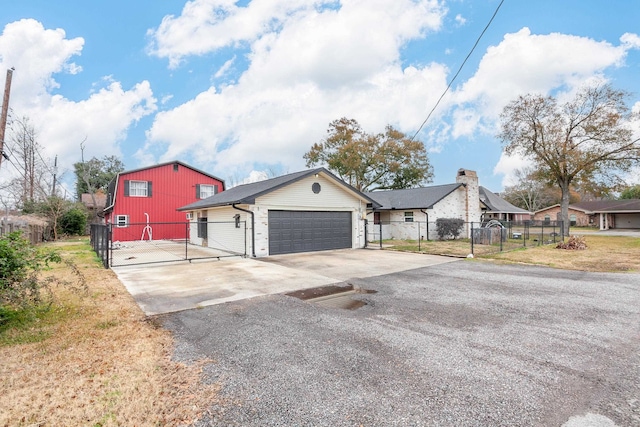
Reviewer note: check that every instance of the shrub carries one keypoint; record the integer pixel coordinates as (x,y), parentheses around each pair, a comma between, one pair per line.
(446,227)
(20,263)
(73,222)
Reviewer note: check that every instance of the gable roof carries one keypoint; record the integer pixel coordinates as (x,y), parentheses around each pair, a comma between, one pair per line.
(495,203)
(178,162)
(603,206)
(87,200)
(113,184)
(413,198)
(629,205)
(248,193)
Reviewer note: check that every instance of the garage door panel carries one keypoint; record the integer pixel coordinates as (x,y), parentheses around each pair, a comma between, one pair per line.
(307,231)
(627,220)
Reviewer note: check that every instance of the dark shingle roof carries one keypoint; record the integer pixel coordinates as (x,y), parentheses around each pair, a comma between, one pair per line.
(496,203)
(413,198)
(247,193)
(604,206)
(629,205)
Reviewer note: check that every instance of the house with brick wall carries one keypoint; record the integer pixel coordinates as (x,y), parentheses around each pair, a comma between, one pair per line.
(411,213)
(604,214)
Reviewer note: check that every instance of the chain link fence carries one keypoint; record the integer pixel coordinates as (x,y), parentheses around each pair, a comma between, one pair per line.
(476,238)
(147,243)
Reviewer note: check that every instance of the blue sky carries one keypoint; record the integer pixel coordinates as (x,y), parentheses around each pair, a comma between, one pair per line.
(241,89)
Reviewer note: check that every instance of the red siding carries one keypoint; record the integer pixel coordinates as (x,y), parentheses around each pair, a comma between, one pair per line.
(170,190)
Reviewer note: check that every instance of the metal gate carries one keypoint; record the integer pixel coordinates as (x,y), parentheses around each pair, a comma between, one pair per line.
(167,242)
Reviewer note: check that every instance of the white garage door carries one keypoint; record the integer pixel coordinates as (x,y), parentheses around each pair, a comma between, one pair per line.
(627,220)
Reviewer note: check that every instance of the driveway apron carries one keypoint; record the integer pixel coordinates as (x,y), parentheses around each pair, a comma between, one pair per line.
(171,287)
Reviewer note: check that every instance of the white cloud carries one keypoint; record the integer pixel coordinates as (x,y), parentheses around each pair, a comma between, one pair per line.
(104,118)
(528,63)
(225,67)
(37,54)
(630,40)
(460,20)
(507,166)
(207,25)
(321,63)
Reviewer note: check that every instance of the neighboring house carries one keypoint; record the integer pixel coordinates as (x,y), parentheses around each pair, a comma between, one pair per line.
(306,211)
(100,202)
(142,203)
(604,214)
(496,207)
(401,209)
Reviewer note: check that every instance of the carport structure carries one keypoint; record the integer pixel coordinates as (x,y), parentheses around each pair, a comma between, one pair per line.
(311,210)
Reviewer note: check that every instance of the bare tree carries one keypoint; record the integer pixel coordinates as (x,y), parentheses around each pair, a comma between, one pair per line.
(26,155)
(529,192)
(588,139)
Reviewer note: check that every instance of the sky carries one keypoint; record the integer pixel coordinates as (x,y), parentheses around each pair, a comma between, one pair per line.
(243,89)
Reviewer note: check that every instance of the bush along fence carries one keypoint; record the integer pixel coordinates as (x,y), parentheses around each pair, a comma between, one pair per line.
(452,236)
(146,243)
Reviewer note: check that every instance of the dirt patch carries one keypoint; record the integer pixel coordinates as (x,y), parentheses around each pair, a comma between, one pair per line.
(102,364)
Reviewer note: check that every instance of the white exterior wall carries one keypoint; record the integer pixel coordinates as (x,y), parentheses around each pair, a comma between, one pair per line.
(394,227)
(298,196)
(221,230)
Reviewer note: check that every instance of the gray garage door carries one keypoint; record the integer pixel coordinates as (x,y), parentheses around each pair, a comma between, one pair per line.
(627,221)
(306,231)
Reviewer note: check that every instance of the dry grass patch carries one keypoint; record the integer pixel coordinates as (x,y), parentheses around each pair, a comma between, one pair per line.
(603,253)
(96,360)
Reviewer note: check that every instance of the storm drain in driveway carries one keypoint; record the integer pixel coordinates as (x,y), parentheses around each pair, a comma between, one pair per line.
(333,296)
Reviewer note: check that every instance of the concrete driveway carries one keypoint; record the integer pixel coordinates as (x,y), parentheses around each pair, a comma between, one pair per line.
(170,287)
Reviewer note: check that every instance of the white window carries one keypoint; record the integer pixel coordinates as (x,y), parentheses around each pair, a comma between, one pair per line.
(206,191)
(408,217)
(138,188)
(122,221)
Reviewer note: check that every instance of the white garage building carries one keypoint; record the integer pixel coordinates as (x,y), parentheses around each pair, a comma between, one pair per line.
(306,211)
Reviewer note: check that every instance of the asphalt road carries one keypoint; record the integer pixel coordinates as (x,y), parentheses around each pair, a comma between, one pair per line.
(459,344)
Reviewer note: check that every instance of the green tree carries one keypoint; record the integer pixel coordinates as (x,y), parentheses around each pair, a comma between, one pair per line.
(95,174)
(588,139)
(632,192)
(368,162)
(63,216)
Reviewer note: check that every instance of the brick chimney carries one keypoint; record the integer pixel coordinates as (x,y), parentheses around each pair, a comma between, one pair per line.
(469,178)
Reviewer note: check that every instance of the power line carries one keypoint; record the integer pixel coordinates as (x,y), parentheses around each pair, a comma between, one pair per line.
(459,69)
(37,183)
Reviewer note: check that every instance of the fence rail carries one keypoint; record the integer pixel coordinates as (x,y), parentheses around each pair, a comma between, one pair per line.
(146,243)
(470,238)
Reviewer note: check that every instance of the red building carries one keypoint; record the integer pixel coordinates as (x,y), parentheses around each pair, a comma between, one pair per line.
(142,203)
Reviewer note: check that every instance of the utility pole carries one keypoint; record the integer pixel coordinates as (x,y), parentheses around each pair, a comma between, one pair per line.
(55,171)
(5,112)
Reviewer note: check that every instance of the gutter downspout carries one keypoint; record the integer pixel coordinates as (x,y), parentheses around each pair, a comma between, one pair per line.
(253,231)
(427,215)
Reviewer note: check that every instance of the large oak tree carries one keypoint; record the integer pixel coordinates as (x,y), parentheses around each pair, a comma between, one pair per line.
(368,162)
(587,139)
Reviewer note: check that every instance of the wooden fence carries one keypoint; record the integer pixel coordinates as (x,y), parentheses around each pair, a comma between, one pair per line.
(33,230)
